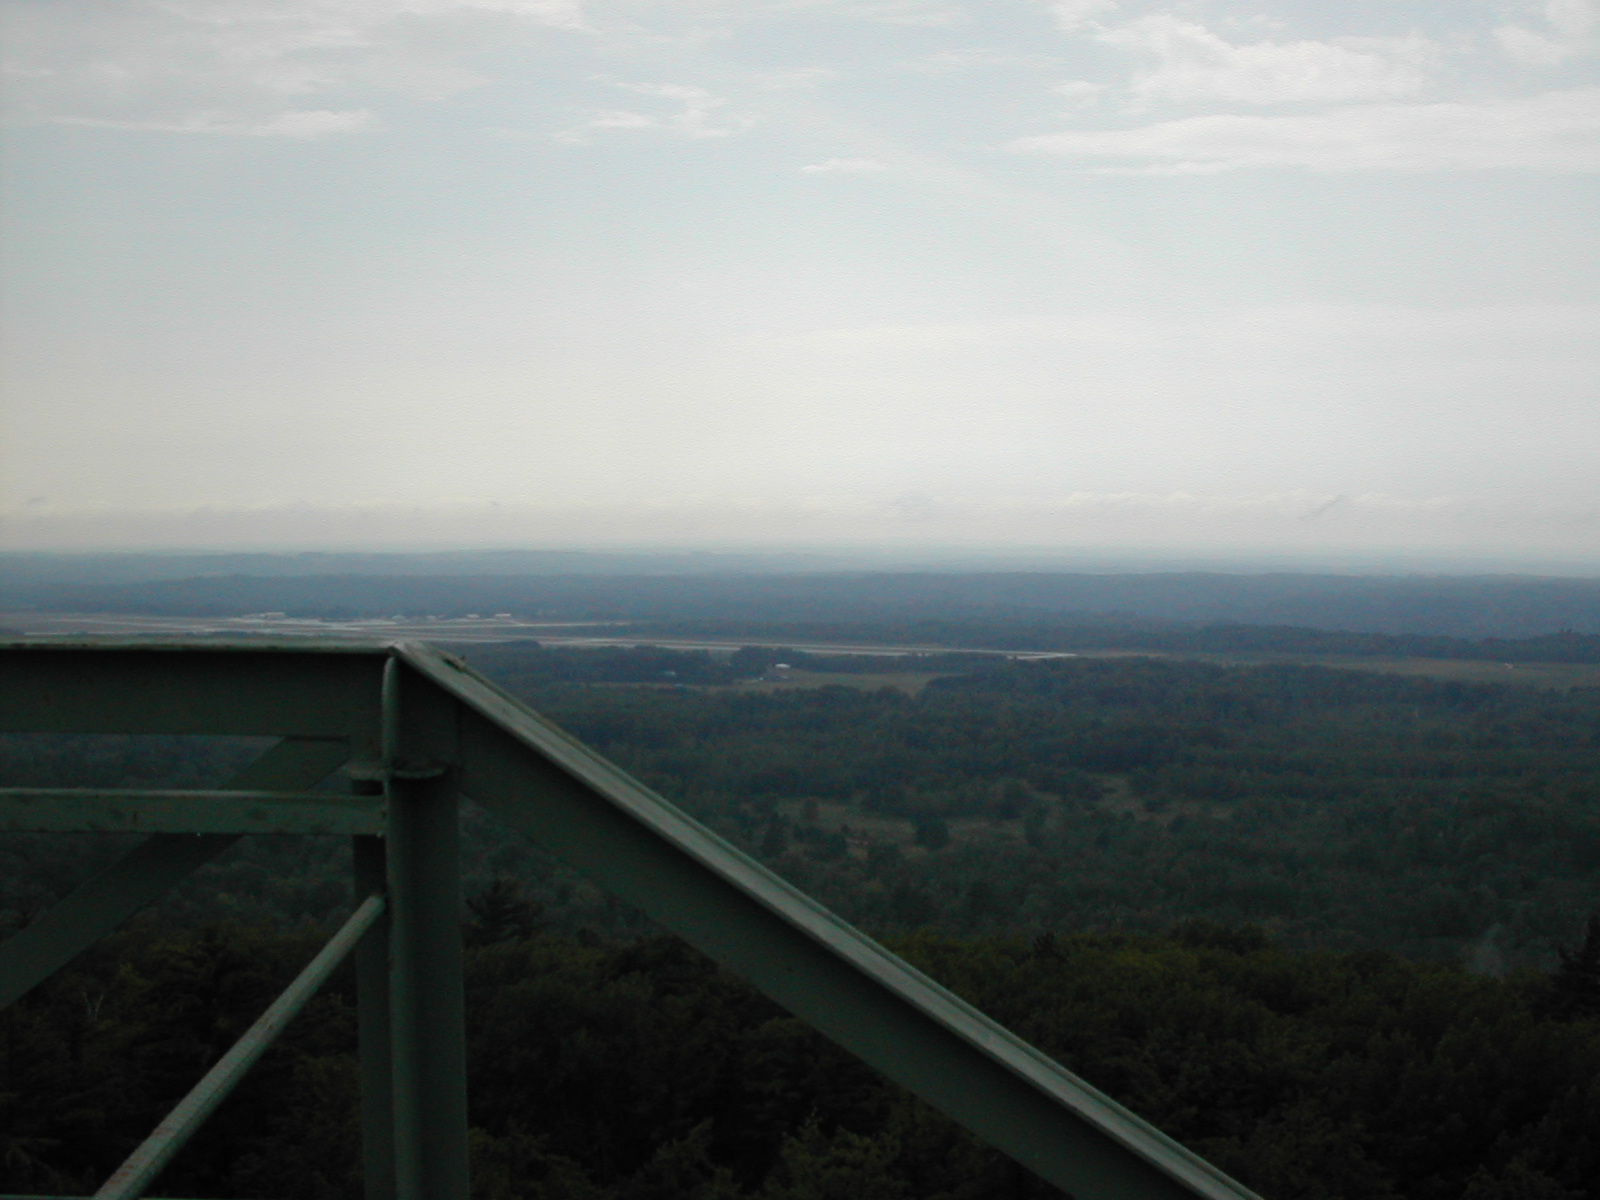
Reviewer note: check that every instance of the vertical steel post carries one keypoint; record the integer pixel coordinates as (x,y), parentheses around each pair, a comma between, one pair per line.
(372,1020)
(427,1002)
(427,1005)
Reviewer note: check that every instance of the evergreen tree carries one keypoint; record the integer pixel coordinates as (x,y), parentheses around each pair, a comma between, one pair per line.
(1577,979)
(501,913)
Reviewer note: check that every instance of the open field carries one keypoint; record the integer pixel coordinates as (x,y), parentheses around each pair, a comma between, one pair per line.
(909,682)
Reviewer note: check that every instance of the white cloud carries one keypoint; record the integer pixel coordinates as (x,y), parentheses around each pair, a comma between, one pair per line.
(299,123)
(623,120)
(1073,15)
(930,14)
(699,116)
(973,58)
(1078,89)
(1572,27)
(558,14)
(314,123)
(845,166)
(1192,63)
(1532,49)
(1556,131)
(906,12)
(240,65)
(1572,18)
(355,14)
(802,77)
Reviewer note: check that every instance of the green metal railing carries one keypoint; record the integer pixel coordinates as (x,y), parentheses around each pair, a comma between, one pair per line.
(140,1169)
(415,730)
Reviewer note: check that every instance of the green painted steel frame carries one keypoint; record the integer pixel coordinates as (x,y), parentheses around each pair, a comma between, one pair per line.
(141,1167)
(126,810)
(146,873)
(432,727)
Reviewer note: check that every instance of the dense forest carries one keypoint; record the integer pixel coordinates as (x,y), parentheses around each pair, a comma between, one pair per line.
(1336,808)
(637,1071)
(1327,927)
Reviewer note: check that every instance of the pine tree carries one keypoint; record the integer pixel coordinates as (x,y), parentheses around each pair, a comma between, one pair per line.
(1577,979)
(501,913)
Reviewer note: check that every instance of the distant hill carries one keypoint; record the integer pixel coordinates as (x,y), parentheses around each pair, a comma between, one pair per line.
(1503,606)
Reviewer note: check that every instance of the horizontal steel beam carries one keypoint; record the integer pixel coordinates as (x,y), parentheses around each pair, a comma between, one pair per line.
(198,687)
(146,873)
(642,849)
(101,810)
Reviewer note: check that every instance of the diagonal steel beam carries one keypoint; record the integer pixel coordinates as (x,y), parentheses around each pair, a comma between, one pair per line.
(633,843)
(373,1024)
(33,954)
(141,1167)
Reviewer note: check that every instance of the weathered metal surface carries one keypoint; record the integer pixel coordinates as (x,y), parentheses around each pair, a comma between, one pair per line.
(146,873)
(199,687)
(141,1167)
(100,810)
(641,848)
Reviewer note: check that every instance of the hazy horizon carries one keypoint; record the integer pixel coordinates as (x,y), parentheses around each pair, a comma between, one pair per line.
(1173,277)
(91,563)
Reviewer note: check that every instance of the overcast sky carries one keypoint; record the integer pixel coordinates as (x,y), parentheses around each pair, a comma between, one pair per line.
(1307,275)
